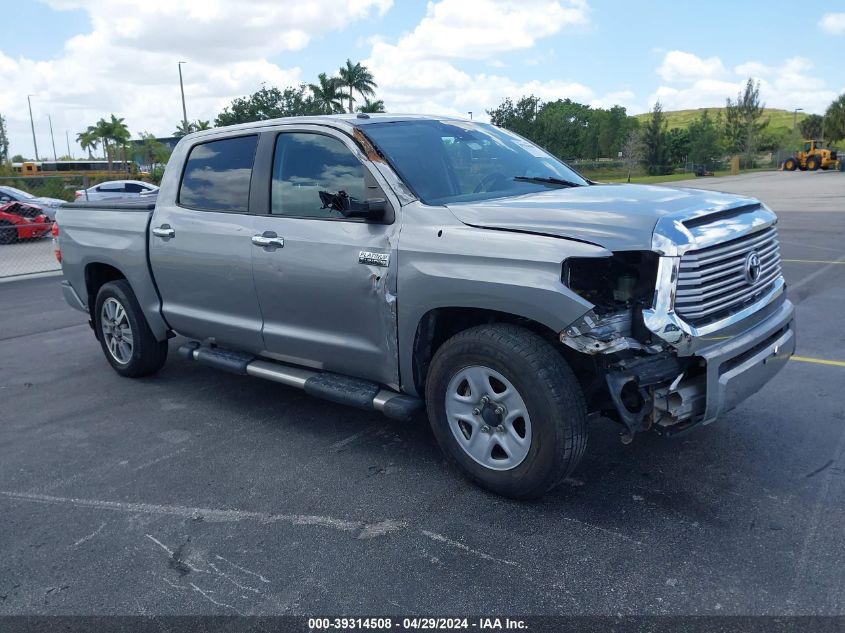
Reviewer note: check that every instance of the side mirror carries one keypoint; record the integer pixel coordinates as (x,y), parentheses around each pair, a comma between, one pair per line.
(351,208)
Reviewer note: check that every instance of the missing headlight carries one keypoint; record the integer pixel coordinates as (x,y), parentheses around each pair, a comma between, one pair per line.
(625,279)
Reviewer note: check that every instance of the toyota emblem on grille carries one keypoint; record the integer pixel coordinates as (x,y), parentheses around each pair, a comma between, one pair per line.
(752,267)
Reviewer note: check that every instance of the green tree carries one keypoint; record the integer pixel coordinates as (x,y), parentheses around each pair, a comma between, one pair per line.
(743,121)
(704,139)
(267,103)
(834,119)
(153,151)
(357,78)
(678,146)
(371,106)
(184,129)
(327,94)
(654,138)
(4,141)
(520,117)
(812,127)
(119,135)
(88,140)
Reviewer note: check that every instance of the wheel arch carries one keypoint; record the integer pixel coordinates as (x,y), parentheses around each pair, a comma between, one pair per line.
(439,324)
(98,273)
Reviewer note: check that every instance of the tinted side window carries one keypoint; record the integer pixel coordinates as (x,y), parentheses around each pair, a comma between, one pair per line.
(131,187)
(111,188)
(305,164)
(217,175)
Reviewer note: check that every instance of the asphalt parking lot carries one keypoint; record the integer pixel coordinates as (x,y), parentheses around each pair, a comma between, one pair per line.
(198,492)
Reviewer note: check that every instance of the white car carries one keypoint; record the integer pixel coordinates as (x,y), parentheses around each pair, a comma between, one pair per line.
(48,205)
(125,189)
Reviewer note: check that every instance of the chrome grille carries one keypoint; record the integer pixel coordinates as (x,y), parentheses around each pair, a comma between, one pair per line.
(712,281)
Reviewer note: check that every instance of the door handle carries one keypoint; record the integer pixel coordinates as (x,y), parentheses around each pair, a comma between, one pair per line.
(165,230)
(268,238)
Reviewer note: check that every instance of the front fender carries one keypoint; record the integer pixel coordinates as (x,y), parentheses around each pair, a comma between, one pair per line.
(446,264)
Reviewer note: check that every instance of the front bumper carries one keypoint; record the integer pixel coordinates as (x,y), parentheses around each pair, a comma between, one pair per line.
(740,366)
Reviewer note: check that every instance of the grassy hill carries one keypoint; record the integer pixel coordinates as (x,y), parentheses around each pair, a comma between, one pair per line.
(683,118)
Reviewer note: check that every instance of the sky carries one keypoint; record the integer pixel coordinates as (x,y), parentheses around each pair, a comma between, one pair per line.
(85,59)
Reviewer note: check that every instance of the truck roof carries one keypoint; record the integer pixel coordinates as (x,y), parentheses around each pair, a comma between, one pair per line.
(341,121)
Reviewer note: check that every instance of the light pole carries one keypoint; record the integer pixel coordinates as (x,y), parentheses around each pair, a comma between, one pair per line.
(182,88)
(52,138)
(470,115)
(32,125)
(67,140)
(795,116)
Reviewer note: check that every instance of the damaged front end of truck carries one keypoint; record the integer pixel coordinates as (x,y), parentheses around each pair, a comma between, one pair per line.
(680,334)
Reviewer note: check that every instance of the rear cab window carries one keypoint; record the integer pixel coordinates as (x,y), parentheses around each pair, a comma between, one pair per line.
(217,175)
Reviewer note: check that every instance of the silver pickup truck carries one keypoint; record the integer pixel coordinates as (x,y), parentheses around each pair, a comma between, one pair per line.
(397,263)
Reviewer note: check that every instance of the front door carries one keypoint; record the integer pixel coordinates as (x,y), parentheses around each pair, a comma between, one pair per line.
(201,247)
(327,285)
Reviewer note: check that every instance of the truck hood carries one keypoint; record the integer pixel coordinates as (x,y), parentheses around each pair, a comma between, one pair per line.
(616,217)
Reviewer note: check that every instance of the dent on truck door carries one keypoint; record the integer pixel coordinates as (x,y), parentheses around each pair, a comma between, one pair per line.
(327,286)
(201,249)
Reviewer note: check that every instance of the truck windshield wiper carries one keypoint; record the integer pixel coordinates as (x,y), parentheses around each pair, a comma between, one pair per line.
(547,180)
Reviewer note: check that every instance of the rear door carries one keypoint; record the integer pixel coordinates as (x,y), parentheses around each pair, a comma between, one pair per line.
(327,286)
(201,249)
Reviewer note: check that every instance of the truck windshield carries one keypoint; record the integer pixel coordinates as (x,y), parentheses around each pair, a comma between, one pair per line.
(460,161)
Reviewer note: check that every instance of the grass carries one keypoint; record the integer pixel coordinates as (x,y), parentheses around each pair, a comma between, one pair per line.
(682,118)
(654,180)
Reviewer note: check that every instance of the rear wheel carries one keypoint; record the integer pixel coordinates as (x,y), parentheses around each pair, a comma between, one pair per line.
(125,336)
(790,164)
(8,233)
(813,163)
(505,407)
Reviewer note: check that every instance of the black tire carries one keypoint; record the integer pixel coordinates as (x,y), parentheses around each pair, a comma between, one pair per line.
(8,233)
(551,394)
(813,163)
(147,355)
(790,164)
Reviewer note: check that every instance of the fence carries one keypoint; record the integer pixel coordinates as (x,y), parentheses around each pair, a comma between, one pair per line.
(26,244)
(27,255)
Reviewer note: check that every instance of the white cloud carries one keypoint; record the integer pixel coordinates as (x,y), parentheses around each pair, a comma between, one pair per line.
(789,85)
(833,23)
(419,72)
(683,66)
(127,63)
(480,29)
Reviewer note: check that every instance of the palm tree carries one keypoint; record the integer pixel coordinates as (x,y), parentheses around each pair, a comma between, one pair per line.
(120,135)
(357,78)
(102,130)
(202,125)
(88,140)
(184,128)
(371,106)
(328,97)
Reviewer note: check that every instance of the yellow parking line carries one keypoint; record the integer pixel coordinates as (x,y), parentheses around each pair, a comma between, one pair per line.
(812,261)
(819,361)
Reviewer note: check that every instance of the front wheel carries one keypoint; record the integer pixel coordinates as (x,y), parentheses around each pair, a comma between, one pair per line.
(790,164)
(124,334)
(506,408)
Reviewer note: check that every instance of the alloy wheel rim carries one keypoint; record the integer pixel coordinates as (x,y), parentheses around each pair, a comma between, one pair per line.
(117,332)
(488,417)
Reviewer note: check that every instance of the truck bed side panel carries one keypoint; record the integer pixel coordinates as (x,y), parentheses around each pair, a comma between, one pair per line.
(116,236)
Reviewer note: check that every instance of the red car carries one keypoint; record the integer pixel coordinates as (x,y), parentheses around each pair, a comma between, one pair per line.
(21,221)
